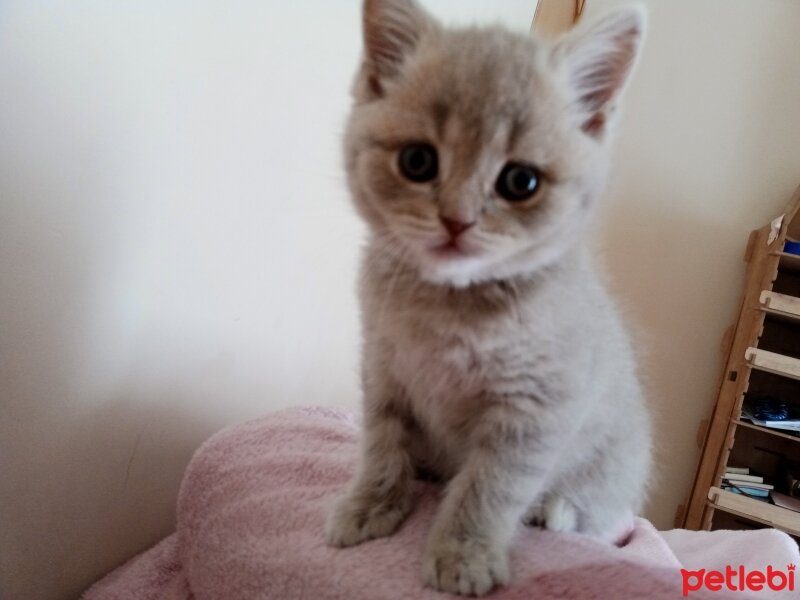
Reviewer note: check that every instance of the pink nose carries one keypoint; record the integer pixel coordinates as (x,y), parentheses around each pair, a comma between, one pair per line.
(454,226)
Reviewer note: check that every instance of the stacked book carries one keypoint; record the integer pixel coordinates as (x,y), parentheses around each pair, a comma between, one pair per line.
(739,481)
(787,425)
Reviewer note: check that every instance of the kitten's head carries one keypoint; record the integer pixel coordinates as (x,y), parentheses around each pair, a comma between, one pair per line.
(478,154)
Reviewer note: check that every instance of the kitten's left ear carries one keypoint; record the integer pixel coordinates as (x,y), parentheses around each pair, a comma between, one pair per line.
(599,59)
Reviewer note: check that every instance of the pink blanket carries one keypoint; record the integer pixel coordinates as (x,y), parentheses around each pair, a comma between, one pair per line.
(251,512)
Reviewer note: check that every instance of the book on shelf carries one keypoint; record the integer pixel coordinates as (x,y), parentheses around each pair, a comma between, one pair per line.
(751,484)
(738,470)
(787,425)
(741,477)
(747,491)
(784,424)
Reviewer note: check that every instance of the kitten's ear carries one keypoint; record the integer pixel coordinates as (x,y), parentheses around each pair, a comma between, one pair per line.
(599,58)
(392,30)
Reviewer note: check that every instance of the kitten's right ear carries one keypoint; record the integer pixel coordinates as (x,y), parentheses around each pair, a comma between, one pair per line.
(392,30)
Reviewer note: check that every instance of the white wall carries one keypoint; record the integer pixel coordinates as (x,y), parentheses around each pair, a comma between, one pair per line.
(177,251)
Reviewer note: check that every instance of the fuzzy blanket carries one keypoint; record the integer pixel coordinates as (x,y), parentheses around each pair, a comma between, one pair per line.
(250,519)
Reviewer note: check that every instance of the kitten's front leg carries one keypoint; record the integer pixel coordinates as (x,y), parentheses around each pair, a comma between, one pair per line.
(380,497)
(467,551)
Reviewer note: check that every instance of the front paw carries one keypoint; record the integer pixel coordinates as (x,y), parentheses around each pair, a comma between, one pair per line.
(356,519)
(467,568)
(553,513)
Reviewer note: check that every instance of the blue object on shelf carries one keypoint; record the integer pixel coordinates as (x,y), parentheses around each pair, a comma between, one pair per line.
(792,247)
(771,409)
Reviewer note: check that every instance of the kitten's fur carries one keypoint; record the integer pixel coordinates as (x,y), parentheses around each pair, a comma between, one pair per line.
(503,368)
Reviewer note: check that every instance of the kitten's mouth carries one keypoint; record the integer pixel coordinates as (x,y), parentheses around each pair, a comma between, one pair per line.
(450,249)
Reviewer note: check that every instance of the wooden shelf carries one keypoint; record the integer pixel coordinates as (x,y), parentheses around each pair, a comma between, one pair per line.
(789,262)
(761,512)
(780,316)
(780,305)
(759,361)
(769,430)
(772,362)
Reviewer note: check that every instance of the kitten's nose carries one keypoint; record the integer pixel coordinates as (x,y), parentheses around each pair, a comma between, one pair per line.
(454,226)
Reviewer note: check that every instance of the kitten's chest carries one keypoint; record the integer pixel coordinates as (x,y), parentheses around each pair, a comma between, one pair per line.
(446,372)
(441,367)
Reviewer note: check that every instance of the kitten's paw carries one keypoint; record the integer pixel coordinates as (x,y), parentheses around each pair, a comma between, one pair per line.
(559,514)
(553,513)
(355,520)
(465,568)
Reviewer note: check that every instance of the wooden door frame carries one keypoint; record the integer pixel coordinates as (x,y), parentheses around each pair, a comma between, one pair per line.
(551,17)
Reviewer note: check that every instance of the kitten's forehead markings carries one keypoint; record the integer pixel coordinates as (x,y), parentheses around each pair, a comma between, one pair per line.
(441,112)
(471,129)
(379,143)
(464,141)
(519,126)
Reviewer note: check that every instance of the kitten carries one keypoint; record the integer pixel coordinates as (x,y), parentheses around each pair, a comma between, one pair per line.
(493,356)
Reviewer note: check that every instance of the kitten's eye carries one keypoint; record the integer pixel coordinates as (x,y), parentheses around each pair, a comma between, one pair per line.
(419,162)
(517,182)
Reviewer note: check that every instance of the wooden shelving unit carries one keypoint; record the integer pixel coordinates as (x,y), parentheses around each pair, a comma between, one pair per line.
(762,353)
(760,512)
(772,362)
(780,304)
(789,262)
(766,430)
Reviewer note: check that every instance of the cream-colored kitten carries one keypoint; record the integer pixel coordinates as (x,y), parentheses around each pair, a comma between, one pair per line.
(493,356)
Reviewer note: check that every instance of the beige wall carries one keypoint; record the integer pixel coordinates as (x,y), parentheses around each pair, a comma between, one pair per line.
(177,252)
(709,149)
